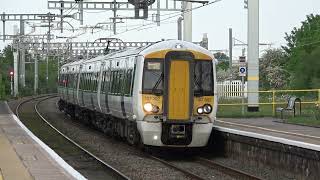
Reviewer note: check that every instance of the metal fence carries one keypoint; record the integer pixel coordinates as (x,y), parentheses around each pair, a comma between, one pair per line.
(232,89)
(232,104)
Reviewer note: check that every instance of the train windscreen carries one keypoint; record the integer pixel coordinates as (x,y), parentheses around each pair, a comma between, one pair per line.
(153,76)
(203,78)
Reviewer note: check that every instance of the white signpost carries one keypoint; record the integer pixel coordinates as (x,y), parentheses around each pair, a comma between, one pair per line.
(243,74)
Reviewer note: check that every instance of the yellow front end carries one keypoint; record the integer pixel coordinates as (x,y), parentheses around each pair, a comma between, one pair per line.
(176,114)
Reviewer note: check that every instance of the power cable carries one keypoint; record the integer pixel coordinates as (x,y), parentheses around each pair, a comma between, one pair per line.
(188,10)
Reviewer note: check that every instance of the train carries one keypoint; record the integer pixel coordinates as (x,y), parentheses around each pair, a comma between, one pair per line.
(160,95)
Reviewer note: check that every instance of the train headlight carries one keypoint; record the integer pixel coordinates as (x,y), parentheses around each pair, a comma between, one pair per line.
(148,107)
(200,110)
(207,108)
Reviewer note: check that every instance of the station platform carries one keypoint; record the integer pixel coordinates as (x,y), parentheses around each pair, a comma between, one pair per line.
(23,156)
(271,129)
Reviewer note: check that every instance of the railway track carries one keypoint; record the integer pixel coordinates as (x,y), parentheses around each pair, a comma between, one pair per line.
(87,163)
(227,170)
(234,173)
(197,161)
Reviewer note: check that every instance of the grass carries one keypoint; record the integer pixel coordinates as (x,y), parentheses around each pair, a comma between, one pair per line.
(303,120)
(236,112)
(310,115)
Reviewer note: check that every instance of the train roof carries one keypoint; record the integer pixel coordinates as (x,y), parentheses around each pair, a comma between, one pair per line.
(159,46)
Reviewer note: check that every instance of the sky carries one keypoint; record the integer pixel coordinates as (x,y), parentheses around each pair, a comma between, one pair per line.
(276,18)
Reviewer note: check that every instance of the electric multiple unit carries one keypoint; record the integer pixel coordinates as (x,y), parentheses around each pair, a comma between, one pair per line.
(159,95)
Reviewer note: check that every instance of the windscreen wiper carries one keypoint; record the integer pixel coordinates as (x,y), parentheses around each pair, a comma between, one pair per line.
(157,84)
(198,84)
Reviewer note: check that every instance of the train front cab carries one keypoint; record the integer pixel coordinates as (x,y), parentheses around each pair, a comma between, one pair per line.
(177,99)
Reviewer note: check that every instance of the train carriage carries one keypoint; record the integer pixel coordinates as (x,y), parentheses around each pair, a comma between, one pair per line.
(159,95)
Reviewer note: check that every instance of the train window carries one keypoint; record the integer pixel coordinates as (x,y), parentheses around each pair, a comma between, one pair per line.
(75,81)
(96,77)
(203,78)
(127,85)
(86,82)
(153,76)
(90,82)
(113,82)
(107,82)
(119,77)
(65,80)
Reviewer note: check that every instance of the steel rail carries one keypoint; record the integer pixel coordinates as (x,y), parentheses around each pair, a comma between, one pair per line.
(227,170)
(117,173)
(187,173)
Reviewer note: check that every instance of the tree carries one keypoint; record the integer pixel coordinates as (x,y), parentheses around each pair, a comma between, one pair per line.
(6,63)
(306,74)
(272,69)
(302,47)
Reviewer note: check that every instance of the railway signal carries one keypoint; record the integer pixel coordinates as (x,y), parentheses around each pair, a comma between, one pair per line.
(11,73)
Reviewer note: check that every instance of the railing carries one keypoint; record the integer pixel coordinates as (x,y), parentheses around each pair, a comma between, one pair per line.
(268,101)
(232,89)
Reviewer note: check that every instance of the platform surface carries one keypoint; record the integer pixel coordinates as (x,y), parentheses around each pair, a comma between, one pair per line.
(272,127)
(20,156)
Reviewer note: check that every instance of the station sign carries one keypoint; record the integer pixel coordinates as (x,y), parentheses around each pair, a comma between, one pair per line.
(243,71)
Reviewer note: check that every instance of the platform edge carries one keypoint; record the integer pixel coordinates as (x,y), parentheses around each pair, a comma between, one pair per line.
(69,169)
(269,138)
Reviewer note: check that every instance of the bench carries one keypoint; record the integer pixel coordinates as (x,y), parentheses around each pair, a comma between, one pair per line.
(291,106)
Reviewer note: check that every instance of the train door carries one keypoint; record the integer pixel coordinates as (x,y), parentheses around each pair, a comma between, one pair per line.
(179,91)
(178,72)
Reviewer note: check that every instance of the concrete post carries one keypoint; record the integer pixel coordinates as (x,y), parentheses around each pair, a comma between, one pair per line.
(36,75)
(61,13)
(180,19)
(230,48)
(4,27)
(187,21)
(81,12)
(15,74)
(158,13)
(205,41)
(114,15)
(22,57)
(253,55)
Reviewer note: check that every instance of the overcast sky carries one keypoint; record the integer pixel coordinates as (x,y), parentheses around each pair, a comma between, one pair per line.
(276,18)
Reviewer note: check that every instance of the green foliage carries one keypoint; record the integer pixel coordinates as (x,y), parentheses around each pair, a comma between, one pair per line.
(272,69)
(221,56)
(223,61)
(306,73)
(302,51)
(6,64)
(223,65)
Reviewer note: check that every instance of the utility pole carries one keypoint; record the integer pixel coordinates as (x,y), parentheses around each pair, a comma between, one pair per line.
(230,48)
(15,74)
(180,19)
(253,55)
(3,26)
(21,48)
(81,11)
(61,14)
(36,75)
(22,55)
(114,15)
(187,21)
